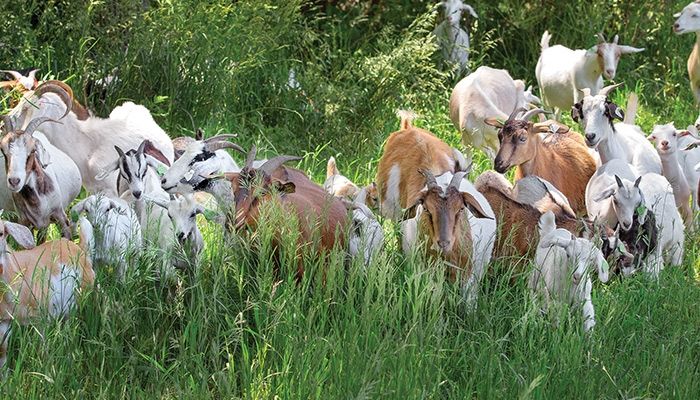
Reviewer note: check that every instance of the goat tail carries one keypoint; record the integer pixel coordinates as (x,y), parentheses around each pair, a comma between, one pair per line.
(547,223)
(331,168)
(632,104)
(87,236)
(544,42)
(407,118)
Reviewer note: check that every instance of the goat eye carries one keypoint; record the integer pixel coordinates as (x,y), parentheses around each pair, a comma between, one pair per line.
(523,139)
(193,215)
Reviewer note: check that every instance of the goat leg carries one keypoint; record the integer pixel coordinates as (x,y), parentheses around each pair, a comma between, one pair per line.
(62,220)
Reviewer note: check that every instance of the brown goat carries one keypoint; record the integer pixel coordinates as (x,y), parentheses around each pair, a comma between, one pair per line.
(315,210)
(561,158)
(517,235)
(445,224)
(405,153)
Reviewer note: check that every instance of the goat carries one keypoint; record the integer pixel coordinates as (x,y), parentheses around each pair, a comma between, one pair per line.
(316,211)
(562,73)
(486,93)
(517,221)
(678,167)
(406,152)
(119,231)
(623,140)
(43,180)
(688,20)
(182,211)
(561,158)
(650,194)
(137,181)
(40,280)
(337,184)
(561,273)
(445,220)
(90,140)
(366,237)
(197,149)
(452,39)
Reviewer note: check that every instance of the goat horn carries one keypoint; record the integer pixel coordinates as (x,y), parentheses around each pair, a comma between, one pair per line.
(32,73)
(429,178)
(617,37)
(532,113)
(218,138)
(31,127)
(457,180)
(586,92)
(225,145)
(14,74)
(60,89)
(515,113)
(604,91)
(601,38)
(7,123)
(272,164)
(251,157)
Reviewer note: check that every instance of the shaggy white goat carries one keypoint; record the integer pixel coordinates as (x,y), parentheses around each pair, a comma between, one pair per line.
(43,179)
(562,73)
(621,140)
(562,270)
(687,21)
(90,140)
(453,40)
(486,93)
(113,228)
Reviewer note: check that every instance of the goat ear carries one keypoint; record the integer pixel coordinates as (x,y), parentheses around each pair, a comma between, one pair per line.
(474,206)
(199,134)
(42,154)
(285,187)
(113,204)
(683,133)
(21,234)
(577,111)
(158,201)
(150,150)
(107,170)
(119,151)
(470,10)
(618,181)
(605,194)
(614,112)
(637,182)
(493,122)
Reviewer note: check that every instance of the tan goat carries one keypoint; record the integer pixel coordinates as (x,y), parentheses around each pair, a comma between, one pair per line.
(38,281)
(405,153)
(561,158)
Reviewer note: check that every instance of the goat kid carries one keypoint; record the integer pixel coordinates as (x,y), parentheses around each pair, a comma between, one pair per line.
(182,211)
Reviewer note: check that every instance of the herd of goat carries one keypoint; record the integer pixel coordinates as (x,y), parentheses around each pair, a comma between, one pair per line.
(609,200)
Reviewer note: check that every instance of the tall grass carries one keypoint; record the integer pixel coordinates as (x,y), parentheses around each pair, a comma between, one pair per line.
(395,329)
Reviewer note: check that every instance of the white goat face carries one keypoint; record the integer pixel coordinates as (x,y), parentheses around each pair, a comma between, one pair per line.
(687,20)
(595,123)
(626,197)
(454,9)
(584,254)
(183,211)
(609,55)
(193,167)
(133,167)
(665,138)
(22,154)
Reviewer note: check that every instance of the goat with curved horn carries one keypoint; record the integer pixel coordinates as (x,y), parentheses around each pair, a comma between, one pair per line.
(31,127)
(63,91)
(272,164)
(532,113)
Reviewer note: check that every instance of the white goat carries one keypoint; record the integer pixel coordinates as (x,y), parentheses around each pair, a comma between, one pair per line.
(41,280)
(621,140)
(198,145)
(562,73)
(43,179)
(182,211)
(562,271)
(90,140)
(632,202)
(678,166)
(483,234)
(453,40)
(688,20)
(366,238)
(113,229)
(486,93)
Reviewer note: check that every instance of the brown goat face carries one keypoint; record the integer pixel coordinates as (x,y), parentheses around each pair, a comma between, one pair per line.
(517,145)
(250,189)
(441,215)
(20,155)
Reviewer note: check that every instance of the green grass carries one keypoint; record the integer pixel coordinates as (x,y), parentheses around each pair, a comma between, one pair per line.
(396,329)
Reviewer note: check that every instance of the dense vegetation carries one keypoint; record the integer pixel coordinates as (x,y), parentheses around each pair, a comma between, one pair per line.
(396,330)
